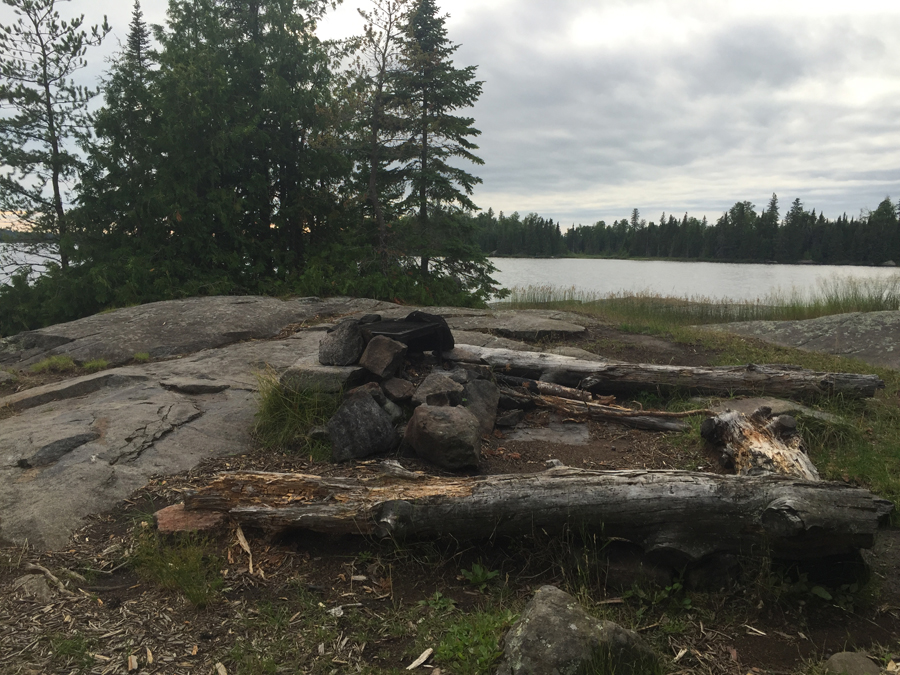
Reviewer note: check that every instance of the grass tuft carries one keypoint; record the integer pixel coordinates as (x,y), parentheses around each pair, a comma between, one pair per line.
(141,357)
(286,416)
(185,566)
(834,296)
(54,364)
(95,365)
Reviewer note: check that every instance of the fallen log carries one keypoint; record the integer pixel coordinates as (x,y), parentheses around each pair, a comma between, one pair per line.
(617,377)
(760,444)
(539,387)
(678,516)
(649,420)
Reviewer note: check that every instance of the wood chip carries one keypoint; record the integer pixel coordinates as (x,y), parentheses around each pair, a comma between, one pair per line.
(242,540)
(422,659)
(220,669)
(132,663)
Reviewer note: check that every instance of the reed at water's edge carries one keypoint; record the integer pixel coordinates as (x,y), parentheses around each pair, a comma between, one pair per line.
(835,296)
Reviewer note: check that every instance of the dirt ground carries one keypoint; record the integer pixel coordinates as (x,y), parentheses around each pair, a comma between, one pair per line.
(759,618)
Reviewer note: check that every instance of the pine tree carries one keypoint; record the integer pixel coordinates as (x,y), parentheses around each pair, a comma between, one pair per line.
(435,88)
(39,54)
(118,191)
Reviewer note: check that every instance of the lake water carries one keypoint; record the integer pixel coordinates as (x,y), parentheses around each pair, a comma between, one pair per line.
(721,281)
(11,258)
(725,281)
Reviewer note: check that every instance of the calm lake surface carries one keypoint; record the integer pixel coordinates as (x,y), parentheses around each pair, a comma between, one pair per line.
(720,281)
(11,258)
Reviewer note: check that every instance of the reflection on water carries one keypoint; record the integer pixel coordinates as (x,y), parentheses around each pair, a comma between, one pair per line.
(720,281)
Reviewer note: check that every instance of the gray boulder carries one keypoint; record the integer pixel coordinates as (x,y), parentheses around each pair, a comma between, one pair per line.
(383,357)
(342,346)
(555,636)
(851,663)
(449,437)
(360,428)
(438,390)
(481,399)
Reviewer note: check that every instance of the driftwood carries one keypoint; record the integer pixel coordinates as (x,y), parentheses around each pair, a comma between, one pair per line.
(676,515)
(648,420)
(759,444)
(616,377)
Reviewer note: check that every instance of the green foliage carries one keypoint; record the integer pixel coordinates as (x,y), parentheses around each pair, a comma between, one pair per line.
(470,643)
(671,598)
(479,575)
(141,357)
(94,365)
(285,416)
(74,650)
(54,364)
(185,565)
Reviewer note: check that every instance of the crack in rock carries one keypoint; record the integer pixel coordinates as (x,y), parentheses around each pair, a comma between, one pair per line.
(171,416)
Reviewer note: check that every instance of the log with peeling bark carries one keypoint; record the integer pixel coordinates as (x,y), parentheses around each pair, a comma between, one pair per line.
(616,377)
(760,444)
(678,516)
(648,420)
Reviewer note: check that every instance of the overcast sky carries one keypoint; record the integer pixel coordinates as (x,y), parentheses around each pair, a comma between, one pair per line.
(593,108)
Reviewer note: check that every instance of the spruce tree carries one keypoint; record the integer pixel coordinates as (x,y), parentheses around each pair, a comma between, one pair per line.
(435,89)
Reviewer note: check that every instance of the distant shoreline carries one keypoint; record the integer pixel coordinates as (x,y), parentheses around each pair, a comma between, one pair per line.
(804,263)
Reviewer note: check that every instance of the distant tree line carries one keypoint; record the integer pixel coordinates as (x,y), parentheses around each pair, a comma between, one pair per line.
(740,234)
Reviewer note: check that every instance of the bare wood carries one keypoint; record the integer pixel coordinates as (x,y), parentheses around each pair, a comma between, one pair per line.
(758,445)
(614,377)
(680,515)
(648,420)
(547,388)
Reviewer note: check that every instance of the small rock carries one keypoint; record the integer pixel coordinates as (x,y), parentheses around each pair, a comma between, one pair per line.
(35,587)
(555,635)
(438,390)
(851,663)
(447,436)
(176,519)
(394,410)
(510,418)
(554,464)
(458,375)
(383,357)
(360,428)
(372,389)
(318,434)
(342,346)
(398,390)
(482,397)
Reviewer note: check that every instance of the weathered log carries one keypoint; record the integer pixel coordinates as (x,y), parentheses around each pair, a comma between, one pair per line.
(539,387)
(617,377)
(648,420)
(678,515)
(759,444)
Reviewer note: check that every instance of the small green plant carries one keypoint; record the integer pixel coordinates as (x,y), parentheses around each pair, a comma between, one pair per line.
(438,602)
(141,357)
(73,649)
(470,645)
(185,566)
(54,364)
(670,598)
(286,416)
(480,576)
(94,365)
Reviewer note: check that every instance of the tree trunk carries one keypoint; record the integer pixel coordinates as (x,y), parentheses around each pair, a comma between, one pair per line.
(606,377)
(758,445)
(679,516)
